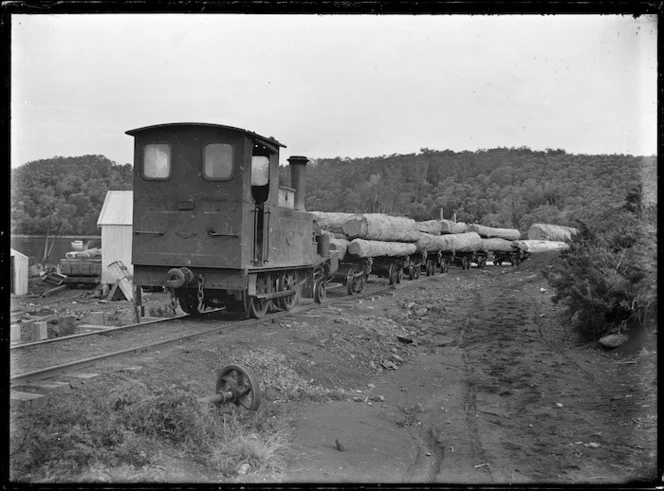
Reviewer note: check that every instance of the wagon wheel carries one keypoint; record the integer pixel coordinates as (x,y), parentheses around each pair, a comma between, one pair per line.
(320,291)
(359,283)
(392,274)
(241,383)
(446,265)
(350,284)
(287,282)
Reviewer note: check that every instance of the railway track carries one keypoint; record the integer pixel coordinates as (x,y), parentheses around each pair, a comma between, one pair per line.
(37,362)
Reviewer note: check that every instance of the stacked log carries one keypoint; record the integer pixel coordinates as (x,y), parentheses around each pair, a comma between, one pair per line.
(497,245)
(429,243)
(331,221)
(450,227)
(466,242)
(432,227)
(543,231)
(375,248)
(490,232)
(535,246)
(380,227)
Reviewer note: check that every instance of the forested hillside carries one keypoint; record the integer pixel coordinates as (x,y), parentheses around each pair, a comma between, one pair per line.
(500,187)
(63,195)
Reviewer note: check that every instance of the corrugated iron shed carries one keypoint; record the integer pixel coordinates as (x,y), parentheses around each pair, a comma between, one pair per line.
(117,208)
(115,221)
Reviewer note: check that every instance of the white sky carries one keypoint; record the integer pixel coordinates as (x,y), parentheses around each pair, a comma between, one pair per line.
(326,86)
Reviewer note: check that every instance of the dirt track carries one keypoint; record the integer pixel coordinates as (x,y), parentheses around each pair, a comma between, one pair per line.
(508,400)
(466,377)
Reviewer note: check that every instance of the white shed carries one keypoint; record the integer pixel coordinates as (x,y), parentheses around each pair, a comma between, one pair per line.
(19,268)
(115,221)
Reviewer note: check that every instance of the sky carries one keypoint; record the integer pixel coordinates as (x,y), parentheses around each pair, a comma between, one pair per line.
(336,85)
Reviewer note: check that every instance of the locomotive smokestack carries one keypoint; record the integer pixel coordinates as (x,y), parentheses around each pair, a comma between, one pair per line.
(297,165)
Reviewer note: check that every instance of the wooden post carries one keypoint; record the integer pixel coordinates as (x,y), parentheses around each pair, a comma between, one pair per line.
(138,304)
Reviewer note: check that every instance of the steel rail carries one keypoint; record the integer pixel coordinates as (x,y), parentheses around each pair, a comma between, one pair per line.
(49,372)
(97,333)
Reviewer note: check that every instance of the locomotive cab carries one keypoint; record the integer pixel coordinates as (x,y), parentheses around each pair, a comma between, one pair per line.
(211,222)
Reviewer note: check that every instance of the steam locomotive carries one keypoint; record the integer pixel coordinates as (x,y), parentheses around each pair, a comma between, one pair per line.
(212,224)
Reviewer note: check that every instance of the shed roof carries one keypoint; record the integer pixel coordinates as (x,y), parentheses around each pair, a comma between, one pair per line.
(117,209)
(14,252)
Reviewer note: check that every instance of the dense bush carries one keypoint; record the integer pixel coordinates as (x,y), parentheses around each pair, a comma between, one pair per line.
(607,278)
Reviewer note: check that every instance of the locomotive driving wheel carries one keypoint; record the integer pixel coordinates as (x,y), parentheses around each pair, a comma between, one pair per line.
(188,302)
(286,282)
(238,385)
(257,307)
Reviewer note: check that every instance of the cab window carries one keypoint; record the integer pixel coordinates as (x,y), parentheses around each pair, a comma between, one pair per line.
(260,170)
(218,161)
(157,161)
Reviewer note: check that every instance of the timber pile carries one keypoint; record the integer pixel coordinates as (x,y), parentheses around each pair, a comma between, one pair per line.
(380,227)
(432,227)
(497,245)
(535,246)
(331,221)
(375,248)
(490,232)
(543,231)
(450,227)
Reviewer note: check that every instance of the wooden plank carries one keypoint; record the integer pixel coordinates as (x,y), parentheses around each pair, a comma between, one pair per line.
(120,272)
(53,291)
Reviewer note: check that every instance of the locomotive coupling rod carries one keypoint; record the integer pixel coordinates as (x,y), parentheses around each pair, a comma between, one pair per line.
(285,293)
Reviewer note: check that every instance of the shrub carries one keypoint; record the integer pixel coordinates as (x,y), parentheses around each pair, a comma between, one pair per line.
(606,279)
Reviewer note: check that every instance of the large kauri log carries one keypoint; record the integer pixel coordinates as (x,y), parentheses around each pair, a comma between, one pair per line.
(544,231)
(340,245)
(450,227)
(535,246)
(380,227)
(497,245)
(331,221)
(375,248)
(490,232)
(432,227)
(466,242)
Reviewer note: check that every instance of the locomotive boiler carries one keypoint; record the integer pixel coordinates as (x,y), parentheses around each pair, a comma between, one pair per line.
(212,224)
